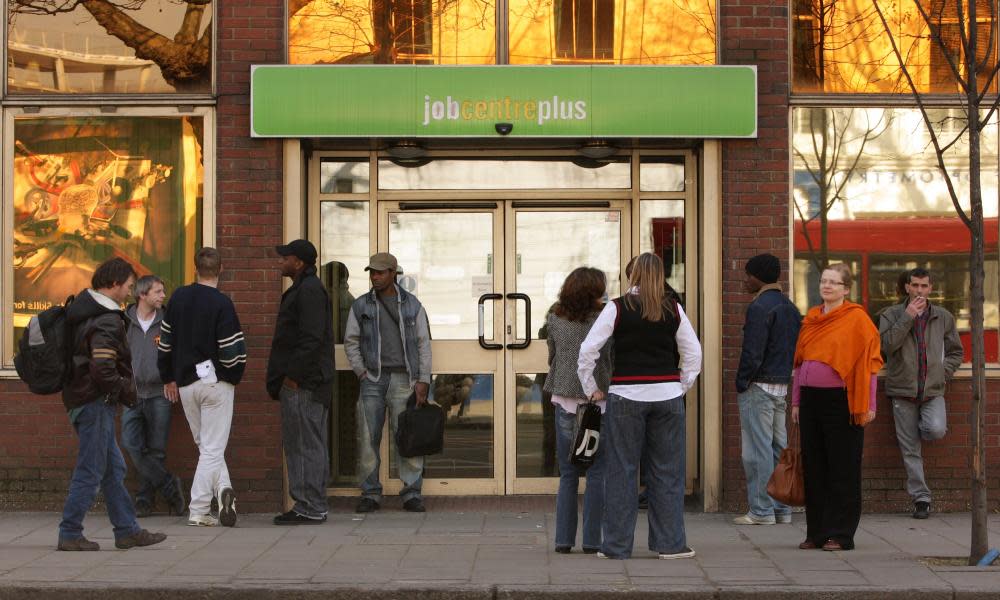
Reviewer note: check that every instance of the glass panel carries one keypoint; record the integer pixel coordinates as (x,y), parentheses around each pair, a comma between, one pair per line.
(842,46)
(447,262)
(343,251)
(867,188)
(87,189)
(403,32)
(612,31)
(661,174)
(536,427)
(661,227)
(499,174)
(134,47)
(337,176)
(547,254)
(344,430)
(467,399)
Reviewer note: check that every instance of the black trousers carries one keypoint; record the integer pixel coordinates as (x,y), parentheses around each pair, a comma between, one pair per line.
(831,461)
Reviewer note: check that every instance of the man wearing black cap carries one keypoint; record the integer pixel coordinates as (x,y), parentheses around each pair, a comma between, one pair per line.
(769,335)
(300,374)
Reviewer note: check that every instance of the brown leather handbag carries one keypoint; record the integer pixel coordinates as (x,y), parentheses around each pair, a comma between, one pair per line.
(787,484)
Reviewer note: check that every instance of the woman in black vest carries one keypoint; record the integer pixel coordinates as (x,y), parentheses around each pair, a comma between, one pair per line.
(656,360)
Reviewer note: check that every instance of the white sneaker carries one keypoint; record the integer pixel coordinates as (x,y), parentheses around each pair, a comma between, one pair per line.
(683,553)
(227,507)
(752,519)
(202,521)
(783,518)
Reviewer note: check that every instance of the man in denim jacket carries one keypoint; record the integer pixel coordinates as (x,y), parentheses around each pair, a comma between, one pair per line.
(769,335)
(388,344)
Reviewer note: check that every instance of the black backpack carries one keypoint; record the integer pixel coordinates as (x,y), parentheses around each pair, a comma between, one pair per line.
(44,353)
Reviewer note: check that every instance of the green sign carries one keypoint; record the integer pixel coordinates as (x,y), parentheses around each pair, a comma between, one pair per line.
(537,101)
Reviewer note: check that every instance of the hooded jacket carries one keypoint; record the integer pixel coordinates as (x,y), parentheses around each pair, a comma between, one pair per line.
(142,345)
(102,364)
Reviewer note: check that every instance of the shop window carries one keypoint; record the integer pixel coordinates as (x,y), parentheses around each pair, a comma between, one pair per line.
(134,47)
(391,31)
(612,31)
(841,46)
(867,191)
(86,189)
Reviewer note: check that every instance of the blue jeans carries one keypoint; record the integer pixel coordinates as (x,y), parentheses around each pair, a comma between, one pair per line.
(145,428)
(569,479)
(629,428)
(762,425)
(389,392)
(99,464)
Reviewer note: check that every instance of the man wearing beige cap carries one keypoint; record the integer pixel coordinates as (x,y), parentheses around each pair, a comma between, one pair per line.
(388,344)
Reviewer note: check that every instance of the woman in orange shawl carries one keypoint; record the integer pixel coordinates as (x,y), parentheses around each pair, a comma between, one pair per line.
(837,361)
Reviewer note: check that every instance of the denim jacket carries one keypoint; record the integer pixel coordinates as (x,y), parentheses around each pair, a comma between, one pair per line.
(769,336)
(363,344)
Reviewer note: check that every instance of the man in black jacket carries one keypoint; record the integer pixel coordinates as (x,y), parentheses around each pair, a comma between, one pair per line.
(300,375)
(100,378)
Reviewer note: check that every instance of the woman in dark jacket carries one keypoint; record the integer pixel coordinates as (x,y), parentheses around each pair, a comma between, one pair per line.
(568,324)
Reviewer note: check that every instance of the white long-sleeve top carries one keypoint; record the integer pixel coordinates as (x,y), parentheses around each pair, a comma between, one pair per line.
(688,347)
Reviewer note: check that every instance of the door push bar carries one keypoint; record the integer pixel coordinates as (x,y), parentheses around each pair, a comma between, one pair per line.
(527,321)
(482,321)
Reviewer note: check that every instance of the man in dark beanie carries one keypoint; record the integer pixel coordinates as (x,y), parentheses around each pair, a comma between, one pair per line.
(769,335)
(300,374)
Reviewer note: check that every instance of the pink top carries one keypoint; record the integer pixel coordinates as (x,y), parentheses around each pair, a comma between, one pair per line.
(812,373)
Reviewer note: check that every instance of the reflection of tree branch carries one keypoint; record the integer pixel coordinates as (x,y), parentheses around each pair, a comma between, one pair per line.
(927,120)
(936,36)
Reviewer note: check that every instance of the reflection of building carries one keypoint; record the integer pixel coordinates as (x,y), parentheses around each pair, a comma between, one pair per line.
(473,214)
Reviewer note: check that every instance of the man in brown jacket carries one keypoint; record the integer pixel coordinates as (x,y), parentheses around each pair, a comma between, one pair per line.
(100,378)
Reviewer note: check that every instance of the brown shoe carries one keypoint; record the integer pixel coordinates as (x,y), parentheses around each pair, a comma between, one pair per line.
(80,544)
(807,545)
(143,538)
(832,546)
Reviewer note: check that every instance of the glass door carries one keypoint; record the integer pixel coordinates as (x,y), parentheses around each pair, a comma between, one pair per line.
(546,241)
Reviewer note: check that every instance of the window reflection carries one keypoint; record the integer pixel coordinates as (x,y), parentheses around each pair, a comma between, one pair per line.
(662,174)
(842,45)
(662,233)
(867,190)
(343,177)
(135,47)
(467,399)
(343,257)
(87,189)
(612,31)
(397,32)
(499,174)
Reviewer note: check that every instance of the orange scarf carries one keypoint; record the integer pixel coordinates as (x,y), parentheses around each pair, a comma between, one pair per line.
(846,340)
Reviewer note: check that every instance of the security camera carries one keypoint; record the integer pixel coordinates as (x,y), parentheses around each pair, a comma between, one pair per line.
(504,128)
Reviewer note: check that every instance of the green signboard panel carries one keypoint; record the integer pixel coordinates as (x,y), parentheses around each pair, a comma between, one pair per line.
(539,101)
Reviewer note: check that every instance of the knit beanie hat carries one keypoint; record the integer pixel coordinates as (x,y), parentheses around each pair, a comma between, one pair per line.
(765,267)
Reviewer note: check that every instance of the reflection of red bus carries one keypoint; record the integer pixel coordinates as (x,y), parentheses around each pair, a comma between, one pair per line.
(880,249)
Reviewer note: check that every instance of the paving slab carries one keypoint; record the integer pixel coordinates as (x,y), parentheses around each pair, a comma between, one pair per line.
(488,554)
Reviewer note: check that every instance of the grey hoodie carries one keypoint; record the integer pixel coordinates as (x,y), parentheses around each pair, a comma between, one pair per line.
(143,347)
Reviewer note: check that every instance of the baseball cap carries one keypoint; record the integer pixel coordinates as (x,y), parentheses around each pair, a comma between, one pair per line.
(302,249)
(383,261)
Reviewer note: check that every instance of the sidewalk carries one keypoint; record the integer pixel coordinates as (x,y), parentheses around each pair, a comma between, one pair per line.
(480,551)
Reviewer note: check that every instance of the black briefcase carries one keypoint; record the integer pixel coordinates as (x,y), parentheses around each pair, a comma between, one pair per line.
(420,431)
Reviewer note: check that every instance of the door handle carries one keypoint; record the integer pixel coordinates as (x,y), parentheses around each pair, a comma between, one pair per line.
(527,321)
(482,321)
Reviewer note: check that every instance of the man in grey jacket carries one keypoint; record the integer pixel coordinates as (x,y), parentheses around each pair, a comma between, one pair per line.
(922,350)
(388,344)
(146,426)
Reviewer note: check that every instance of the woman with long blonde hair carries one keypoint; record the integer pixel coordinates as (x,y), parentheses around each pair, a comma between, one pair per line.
(657,358)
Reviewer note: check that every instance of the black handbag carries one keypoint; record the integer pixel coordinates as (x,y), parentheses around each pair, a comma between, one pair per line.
(420,431)
(587,434)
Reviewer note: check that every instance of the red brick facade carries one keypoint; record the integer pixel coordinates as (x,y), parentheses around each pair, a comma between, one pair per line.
(37,447)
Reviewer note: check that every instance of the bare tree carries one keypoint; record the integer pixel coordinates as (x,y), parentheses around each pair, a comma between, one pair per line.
(184,59)
(955,30)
